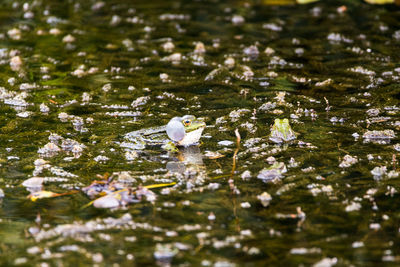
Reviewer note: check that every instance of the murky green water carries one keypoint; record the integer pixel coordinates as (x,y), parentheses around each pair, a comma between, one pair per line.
(334,73)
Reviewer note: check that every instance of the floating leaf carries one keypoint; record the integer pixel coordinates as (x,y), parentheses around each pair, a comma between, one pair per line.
(305,1)
(159,185)
(380,2)
(47,194)
(42,194)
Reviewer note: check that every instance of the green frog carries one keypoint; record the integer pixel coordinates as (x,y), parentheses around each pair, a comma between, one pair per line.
(180,131)
(281,131)
(273,172)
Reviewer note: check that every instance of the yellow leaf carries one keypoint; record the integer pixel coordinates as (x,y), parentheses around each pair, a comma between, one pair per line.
(159,185)
(305,1)
(47,194)
(42,194)
(380,2)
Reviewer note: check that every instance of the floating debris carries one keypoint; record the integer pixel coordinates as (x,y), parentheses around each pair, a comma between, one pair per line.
(238,20)
(362,70)
(126,178)
(302,251)
(101,158)
(225,143)
(16,63)
(49,149)
(47,194)
(246,175)
(236,114)
(164,77)
(265,199)
(379,172)
(348,161)
(245,205)
(213,155)
(272,27)
(14,34)
(251,51)
(324,83)
(34,182)
(353,206)
(44,108)
(24,114)
(316,189)
(175,58)
(267,106)
(357,244)
(108,202)
(375,226)
(376,135)
(68,39)
(131,155)
(211,216)
(269,51)
(60,172)
(326,262)
(168,46)
(200,48)
(140,101)
(336,38)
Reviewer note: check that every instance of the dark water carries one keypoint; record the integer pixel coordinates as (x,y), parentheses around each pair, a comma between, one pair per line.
(333,72)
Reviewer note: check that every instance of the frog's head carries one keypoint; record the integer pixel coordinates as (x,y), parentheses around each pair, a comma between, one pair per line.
(185,130)
(281,124)
(281,131)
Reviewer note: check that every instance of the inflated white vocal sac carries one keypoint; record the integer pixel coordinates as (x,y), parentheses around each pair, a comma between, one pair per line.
(175,129)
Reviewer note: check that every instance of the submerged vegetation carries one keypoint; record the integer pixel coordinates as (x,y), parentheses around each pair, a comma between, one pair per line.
(293,160)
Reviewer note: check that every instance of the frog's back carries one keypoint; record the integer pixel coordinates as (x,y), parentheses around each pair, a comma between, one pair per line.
(148,137)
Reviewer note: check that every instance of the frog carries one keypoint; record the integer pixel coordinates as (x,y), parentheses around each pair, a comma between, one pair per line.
(275,171)
(179,131)
(281,131)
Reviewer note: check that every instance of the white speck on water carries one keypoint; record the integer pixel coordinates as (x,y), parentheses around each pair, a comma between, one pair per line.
(326,262)
(101,158)
(245,205)
(357,244)
(24,114)
(354,206)
(375,226)
(225,143)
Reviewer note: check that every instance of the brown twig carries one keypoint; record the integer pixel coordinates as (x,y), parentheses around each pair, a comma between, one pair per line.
(236,151)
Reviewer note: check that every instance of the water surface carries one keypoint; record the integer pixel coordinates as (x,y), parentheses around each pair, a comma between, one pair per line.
(333,72)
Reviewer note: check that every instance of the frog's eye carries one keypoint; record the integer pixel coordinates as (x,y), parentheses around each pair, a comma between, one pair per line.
(186,122)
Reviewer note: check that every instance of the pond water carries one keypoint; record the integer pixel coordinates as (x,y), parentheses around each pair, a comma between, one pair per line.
(77,76)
